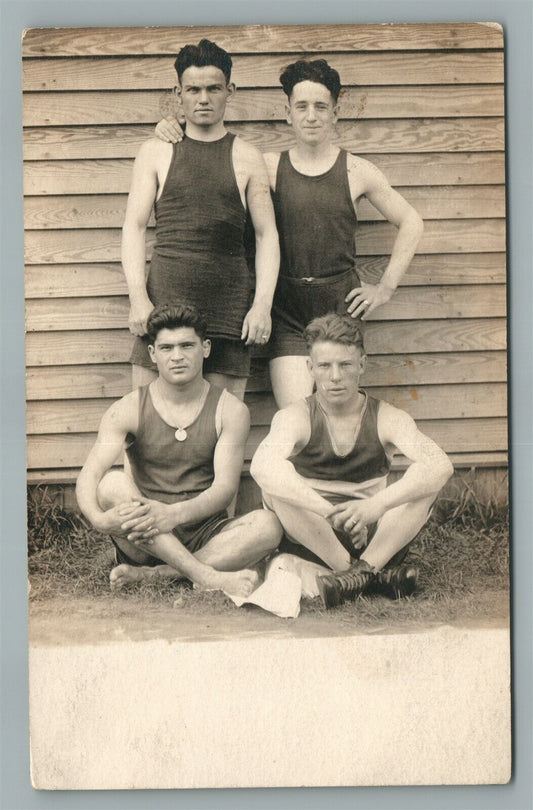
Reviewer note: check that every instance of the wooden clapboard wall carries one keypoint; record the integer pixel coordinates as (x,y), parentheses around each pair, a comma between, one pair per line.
(423,102)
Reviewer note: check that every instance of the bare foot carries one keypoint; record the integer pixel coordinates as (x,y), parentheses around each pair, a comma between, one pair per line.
(239,583)
(124,574)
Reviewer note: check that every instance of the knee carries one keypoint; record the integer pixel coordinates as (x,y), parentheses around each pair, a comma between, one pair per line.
(114,488)
(267,528)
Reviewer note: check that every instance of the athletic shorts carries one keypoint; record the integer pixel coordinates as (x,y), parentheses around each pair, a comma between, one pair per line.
(193,536)
(298,301)
(227,356)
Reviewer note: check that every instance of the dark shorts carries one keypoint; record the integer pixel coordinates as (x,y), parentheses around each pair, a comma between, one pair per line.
(298,301)
(227,356)
(287,546)
(192,536)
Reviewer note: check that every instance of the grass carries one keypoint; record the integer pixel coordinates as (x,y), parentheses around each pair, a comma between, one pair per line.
(462,555)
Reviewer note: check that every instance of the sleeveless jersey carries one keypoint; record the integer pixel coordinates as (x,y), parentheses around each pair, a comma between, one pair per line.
(316,220)
(165,469)
(365,462)
(199,255)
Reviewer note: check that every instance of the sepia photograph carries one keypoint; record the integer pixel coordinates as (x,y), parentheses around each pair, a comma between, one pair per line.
(267,437)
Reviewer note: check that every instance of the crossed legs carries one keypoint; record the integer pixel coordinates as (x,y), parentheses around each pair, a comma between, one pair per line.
(394,531)
(225,557)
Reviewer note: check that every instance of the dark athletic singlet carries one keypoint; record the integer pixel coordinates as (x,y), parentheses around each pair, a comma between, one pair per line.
(163,468)
(316,220)
(366,461)
(200,221)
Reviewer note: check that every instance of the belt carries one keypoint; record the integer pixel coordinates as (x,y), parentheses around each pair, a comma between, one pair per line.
(309,280)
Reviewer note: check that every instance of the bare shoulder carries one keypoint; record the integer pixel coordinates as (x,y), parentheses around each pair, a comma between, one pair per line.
(248,155)
(154,150)
(123,415)
(234,411)
(366,171)
(394,422)
(294,419)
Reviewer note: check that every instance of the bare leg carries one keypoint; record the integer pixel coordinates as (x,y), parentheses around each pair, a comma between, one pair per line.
(235,385)
(243,542)
(290,379)
(395,530)
(141,376)
(311,531)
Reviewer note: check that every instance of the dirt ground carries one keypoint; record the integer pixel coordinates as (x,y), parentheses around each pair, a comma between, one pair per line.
(99,619)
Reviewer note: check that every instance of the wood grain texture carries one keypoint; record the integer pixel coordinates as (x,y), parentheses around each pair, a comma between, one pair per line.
(262,39)
(376,137)
(58,280)
(113,176)
(114,345)
(492,462)
(433,302)
(148,106)
(422,102)
(108,210)
(421,402)
(415,369)
(114,379)
(157,72)
(373,238)
(458,435)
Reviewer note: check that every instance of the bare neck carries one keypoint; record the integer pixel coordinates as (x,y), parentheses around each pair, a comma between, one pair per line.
(206,134)
(350,409)
(309,159)
(180,394)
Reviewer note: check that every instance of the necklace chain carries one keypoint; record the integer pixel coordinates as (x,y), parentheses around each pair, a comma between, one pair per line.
(181,432)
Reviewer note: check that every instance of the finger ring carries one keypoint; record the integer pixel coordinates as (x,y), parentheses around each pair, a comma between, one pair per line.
(366,303)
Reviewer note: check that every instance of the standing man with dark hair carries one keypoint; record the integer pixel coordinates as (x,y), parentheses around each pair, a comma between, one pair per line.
(202,189)
(317,187)
(323,471)
(185,445)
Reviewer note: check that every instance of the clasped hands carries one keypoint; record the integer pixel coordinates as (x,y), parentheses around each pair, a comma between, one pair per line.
(353,517)
(140,520)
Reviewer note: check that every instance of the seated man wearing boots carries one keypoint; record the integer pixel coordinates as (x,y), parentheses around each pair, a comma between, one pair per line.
(323,471)
(184,441)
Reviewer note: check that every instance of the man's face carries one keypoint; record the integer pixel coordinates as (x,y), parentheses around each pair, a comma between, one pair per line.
(204,94)
(336,369)
(311,112)
(179,354)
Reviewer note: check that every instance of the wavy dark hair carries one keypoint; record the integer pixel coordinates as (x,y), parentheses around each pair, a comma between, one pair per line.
(315,70)
(205,54)
(174,316)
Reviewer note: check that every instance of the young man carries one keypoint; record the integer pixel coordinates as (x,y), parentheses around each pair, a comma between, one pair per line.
(184,441)
(323,470)
(202,189)
(316,188)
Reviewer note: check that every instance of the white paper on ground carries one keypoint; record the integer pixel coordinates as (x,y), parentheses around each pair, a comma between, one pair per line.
(287,579)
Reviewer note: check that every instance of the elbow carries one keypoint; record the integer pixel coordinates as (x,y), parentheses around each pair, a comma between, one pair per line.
(258,470)
(418,226)
(445,471)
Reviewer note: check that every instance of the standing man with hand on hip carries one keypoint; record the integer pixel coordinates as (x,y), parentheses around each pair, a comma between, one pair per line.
(316,189)
(202,189)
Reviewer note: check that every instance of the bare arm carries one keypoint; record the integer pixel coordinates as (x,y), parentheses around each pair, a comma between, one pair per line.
(367,179)
(144,185)
(271,466)
(117,422)
(429,470)
(257,323)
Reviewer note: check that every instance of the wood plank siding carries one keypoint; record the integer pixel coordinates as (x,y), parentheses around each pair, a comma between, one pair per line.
(425,103)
